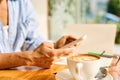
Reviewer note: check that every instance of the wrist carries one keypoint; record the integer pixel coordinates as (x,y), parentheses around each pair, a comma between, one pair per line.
(26,57)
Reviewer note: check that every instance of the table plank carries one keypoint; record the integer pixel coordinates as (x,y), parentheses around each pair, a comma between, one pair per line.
(45,74)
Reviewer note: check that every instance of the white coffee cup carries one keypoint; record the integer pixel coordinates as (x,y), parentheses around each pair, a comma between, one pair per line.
(84,66)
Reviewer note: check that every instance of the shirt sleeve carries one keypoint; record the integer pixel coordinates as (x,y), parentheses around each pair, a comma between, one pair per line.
(33,38)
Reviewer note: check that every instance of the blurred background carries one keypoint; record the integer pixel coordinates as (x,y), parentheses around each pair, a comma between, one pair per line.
(53,15)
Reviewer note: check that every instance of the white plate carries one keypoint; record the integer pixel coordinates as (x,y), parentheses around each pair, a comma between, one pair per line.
(65,75)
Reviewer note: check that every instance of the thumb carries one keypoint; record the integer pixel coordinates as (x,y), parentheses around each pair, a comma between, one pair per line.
(64,52)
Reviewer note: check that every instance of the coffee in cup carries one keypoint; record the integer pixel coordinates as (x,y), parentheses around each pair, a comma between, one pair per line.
(84,66)
(84,57)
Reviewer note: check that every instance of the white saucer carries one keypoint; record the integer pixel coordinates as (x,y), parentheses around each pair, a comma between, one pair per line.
(61,61)
(65,75)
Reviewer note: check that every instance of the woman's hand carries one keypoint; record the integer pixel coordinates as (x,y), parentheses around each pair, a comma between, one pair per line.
(64,40)
(45,54)
(115,70)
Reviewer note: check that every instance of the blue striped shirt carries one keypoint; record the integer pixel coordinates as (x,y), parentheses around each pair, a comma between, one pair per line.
(23,27)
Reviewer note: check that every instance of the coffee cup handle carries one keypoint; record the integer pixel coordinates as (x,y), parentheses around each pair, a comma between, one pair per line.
(79,67)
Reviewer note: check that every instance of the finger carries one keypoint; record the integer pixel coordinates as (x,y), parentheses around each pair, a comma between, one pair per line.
(64,52)
(61,42)
(64,40)
(44,44)
(45,49)
(69,39)
(48,45)
(114,61)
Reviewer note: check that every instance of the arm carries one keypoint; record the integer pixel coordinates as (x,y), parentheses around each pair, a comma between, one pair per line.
(10,60)
(35,57)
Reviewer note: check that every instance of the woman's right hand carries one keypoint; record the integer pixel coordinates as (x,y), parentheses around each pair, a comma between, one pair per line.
(45,54)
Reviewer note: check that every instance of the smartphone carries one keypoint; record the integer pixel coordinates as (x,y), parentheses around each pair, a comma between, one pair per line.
(75,42)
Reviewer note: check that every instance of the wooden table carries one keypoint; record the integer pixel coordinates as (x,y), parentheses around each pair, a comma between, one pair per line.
(46,74)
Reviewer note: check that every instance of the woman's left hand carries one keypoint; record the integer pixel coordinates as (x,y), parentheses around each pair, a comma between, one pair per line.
(64,40)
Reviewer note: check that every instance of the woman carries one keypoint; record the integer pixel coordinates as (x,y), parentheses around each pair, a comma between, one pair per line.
(18,26)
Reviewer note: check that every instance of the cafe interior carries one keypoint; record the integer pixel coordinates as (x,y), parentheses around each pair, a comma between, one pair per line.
(96,23)
(55,16)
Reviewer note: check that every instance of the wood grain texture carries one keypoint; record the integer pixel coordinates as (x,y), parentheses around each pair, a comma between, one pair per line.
(47,74)
(44,74)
